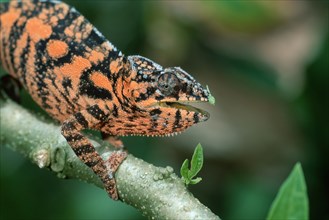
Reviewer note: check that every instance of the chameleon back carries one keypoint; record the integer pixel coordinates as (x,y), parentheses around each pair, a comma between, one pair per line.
(63,61)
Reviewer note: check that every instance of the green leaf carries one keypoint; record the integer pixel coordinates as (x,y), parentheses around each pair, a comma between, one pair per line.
(196,162)
(196,180)
(291,201)
(210,97)
(196,165)
(184,169)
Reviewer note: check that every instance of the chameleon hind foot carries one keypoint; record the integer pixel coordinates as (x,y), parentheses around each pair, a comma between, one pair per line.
(115,141)
(10,87)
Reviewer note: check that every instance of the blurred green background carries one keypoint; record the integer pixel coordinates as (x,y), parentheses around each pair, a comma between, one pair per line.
(266,62)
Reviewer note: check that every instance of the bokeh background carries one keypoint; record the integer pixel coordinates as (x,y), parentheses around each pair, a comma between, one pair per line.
(266,63)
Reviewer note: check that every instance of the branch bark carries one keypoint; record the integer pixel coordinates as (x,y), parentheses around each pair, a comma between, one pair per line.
(157,192)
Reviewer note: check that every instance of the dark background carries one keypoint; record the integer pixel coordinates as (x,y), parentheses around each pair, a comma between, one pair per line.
(266,63)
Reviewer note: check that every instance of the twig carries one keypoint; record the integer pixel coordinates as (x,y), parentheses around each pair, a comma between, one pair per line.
(157,192)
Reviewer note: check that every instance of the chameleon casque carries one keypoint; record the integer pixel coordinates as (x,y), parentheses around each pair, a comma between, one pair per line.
(80,79)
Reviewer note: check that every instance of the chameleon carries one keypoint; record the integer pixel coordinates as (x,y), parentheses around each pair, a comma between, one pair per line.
(84,82)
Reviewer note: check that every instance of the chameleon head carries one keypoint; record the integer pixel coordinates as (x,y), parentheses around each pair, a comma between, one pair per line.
(165,94)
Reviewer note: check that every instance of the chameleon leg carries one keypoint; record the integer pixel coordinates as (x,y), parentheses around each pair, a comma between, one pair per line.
(71,130)
(10,87)
(113,140)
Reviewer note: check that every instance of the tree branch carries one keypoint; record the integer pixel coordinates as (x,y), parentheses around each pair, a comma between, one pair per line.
(157,192)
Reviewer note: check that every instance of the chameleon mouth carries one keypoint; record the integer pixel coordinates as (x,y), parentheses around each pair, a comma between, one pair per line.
(184,106)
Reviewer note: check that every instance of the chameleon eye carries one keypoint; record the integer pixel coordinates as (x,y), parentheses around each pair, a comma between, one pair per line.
(168,83)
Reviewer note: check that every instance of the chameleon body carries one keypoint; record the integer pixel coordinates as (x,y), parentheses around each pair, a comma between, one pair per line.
(80,79)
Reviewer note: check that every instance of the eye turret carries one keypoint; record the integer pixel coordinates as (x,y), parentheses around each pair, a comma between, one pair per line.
(168,84)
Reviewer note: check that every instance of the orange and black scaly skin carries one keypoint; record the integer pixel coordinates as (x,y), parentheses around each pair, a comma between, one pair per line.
(76,75)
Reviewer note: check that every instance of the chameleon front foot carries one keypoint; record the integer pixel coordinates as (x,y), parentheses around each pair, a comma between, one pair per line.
(113,163)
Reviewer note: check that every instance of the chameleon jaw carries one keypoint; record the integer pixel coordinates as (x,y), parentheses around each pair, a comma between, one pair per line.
(184,106)
(202,115)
